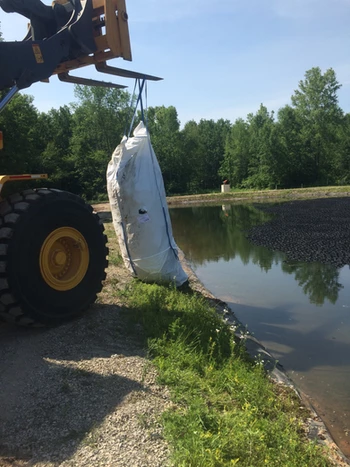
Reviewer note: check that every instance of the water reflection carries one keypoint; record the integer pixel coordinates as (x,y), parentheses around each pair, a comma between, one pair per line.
(209,234)
(213,233)
(318,281)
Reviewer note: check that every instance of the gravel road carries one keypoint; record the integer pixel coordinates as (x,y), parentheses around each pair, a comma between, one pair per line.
(82,394)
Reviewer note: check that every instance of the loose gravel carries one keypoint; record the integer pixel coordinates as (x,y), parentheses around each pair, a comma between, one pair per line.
(315,230)
(82,394)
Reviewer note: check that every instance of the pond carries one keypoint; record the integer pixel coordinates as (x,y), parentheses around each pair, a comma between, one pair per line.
(299,311)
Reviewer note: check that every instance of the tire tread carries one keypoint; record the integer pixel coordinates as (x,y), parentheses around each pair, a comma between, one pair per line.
(11,211)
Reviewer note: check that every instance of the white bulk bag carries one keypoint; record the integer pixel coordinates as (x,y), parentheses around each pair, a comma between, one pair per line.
(140,212)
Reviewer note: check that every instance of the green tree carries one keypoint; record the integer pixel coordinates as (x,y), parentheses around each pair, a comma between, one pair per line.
(191,153)
(262,149)
(98,124)
(237,154)
(297,167)
(212,137)
(341,157)
(22,148)
(164,128)
(57,157)
(316,103)
(204,147)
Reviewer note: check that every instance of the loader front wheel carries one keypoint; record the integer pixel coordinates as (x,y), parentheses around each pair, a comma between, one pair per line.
(52,257)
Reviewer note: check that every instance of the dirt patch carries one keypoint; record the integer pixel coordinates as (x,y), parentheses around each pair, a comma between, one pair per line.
(102,207)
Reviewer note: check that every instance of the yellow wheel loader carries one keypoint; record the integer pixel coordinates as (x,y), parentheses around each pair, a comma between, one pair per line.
(53,252)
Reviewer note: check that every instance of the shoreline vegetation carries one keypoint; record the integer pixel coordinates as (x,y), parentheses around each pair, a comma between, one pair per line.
(227,409)
(255,195)
(237,195)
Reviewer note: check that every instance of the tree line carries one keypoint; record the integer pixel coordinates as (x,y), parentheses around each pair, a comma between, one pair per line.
(306,144)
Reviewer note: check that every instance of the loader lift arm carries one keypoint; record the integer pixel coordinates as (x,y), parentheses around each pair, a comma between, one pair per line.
(69,35)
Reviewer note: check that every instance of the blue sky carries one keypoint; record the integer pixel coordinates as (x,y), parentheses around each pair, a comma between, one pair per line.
(221,59)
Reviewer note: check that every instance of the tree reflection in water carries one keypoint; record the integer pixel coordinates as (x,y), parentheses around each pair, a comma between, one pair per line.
(318,281)
(213,233)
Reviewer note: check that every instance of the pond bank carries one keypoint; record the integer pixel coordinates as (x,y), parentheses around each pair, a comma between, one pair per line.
(259,195)
(315,429)
(247,195)
(305,230)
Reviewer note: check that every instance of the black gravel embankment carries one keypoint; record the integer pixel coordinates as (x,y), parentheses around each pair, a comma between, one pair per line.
(308,230)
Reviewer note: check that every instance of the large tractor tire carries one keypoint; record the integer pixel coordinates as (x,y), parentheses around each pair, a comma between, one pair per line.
(52,257)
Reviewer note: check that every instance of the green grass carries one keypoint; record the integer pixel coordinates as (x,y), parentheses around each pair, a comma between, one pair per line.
(228,411)
(115,258)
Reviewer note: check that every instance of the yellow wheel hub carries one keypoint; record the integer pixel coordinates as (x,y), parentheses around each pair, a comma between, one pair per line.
(64,259)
